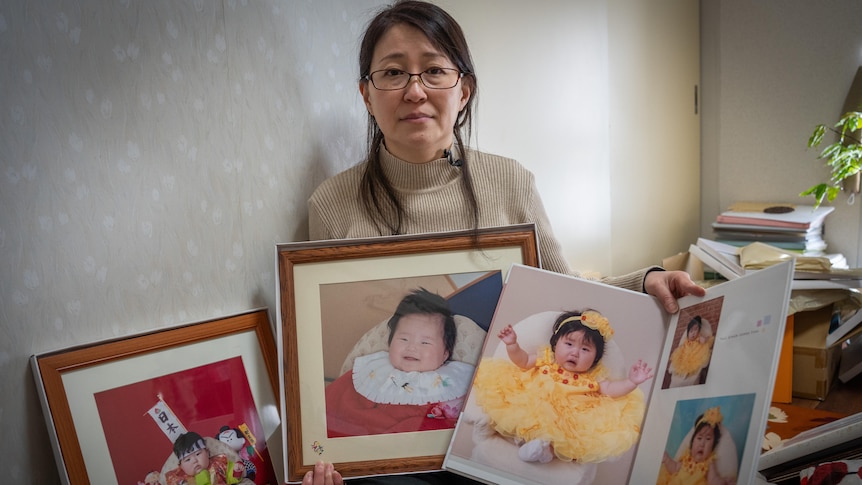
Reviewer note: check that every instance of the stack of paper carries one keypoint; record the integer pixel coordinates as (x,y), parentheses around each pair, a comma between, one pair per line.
(811,272)
(792,227)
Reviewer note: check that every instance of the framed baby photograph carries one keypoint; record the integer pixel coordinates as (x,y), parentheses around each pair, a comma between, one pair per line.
(129,410)
(378,340)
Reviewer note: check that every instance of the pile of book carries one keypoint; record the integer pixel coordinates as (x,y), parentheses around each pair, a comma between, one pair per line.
(792,227)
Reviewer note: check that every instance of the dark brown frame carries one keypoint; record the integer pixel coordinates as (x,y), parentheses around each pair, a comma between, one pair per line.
(49,368)
(290,256)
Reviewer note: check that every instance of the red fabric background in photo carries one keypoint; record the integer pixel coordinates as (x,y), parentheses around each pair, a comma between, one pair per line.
(203,398)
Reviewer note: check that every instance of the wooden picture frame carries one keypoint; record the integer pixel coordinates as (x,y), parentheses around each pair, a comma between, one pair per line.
(304,270)
(80,389)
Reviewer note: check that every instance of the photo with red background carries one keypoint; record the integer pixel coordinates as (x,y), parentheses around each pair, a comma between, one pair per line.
(203,399)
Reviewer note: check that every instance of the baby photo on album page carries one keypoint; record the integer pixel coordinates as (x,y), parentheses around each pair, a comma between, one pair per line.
(706,422)
(563,383)
(693,338)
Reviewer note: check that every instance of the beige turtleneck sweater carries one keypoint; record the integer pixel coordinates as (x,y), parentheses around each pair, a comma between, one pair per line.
(434,202)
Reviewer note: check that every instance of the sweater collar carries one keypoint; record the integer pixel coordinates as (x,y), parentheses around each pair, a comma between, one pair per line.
(417,176)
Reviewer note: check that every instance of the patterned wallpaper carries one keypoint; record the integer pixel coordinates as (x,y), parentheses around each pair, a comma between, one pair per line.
(152,153)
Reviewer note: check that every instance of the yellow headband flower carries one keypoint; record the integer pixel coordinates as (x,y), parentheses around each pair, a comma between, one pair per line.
(591,319)
(712,416)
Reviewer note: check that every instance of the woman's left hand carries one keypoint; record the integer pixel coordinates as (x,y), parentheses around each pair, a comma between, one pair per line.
(667,286)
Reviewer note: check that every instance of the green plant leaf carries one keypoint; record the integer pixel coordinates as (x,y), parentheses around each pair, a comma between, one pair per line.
(816,190)
(843,157)
(817,136)
(831,151)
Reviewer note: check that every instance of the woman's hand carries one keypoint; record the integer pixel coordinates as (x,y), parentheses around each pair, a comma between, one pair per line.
(667,286)
(323,474)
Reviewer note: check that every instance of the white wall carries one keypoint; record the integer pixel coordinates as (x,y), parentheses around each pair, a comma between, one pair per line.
(654,130)
(543,100)
(597,99)
(153,153)
(772,70)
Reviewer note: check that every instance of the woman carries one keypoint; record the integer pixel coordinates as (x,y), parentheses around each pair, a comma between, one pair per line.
(419,86)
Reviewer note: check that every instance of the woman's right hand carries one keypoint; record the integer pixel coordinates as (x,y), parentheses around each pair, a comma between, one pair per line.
(323,474)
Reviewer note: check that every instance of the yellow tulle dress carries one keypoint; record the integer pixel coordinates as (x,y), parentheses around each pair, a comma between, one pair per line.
(690,357)
(564,408)
(690,472)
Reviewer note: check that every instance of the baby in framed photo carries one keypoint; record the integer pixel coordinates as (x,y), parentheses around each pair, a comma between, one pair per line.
(414,385)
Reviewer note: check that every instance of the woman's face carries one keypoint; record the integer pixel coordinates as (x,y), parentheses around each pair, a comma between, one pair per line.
(418,344)
(574,352)
(417,122)
(702,444)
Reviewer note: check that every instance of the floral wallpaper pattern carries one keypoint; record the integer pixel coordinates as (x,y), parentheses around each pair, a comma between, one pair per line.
(152,153)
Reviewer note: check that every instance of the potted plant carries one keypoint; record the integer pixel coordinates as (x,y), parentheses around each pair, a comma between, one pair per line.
(844,156)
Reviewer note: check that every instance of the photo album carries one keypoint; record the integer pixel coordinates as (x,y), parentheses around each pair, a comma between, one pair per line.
(581,382)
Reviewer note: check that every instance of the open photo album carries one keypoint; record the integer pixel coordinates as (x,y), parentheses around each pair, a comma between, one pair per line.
(581,382)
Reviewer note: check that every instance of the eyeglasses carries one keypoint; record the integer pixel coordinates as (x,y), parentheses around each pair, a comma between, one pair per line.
(432,78)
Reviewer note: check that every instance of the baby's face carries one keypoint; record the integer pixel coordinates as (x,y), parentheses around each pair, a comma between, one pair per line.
(702,444)
(195,462)
(417,344)
(574,352)
(693,333)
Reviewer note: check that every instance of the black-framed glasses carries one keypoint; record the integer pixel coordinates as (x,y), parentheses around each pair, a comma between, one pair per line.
(432,78)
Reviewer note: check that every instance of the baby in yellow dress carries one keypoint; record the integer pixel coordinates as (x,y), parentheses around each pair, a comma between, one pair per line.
(696,465)
(560,402)
(692,354)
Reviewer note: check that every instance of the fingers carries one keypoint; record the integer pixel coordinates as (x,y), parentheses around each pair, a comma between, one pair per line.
(669,303)
(323,474)
(642,370)
(682,285)
(667,286)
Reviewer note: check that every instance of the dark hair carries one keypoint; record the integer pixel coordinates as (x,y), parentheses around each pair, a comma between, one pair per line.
(186,442)
(422,301)
(376,192)
(716,433)
(590,335)
(696,321)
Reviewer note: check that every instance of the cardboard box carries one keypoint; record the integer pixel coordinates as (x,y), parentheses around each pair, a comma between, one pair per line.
(814,364)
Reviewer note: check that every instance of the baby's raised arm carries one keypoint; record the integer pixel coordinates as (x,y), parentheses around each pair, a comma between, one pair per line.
(669,463)
(638,374)
(517,355)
